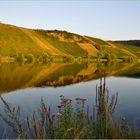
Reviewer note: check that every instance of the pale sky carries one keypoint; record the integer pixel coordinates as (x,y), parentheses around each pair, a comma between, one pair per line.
(109,20)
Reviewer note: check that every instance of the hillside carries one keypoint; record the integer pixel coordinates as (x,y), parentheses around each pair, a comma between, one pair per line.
(130,42)
(132,49)
(17,40)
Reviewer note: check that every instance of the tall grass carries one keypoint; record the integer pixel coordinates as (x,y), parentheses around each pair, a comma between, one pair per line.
(71,122)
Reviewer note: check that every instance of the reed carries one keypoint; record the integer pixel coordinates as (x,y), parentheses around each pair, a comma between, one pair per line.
(71,122)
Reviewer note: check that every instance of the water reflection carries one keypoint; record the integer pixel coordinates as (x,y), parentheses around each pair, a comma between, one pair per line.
(21,85)
(99,117)
(15,76)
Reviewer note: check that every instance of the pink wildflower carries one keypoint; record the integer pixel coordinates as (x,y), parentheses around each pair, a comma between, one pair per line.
(65,101)
(58,114)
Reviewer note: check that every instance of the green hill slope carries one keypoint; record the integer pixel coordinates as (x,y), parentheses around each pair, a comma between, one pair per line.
(15,40)
(130,42)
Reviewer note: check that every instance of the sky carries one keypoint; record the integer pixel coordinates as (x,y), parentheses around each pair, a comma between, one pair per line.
(105,19)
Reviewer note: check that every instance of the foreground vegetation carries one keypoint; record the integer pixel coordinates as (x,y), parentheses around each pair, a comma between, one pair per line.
(79,122)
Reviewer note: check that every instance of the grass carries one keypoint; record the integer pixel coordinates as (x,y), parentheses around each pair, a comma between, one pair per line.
(130,42)
(116,52)
(69,48)
(98,41)
(16,40)
(13,41)
(135,50)
(70,123)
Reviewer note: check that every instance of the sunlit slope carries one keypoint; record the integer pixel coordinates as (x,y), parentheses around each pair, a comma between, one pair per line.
(128,49)
(67,43)
(14,40)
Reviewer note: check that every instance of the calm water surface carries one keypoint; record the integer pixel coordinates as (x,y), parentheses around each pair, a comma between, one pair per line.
(24,86)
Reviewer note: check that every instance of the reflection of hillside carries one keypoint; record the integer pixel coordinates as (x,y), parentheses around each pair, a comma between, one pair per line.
(63,74)
(131,71)
(14,77)
(43,74)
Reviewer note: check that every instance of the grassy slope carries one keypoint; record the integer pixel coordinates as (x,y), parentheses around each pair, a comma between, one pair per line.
(110,48)
(68,48)
(130,42)
(14,40)
(133,50)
